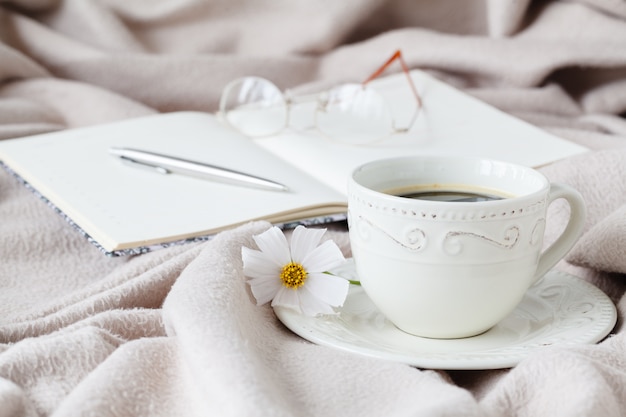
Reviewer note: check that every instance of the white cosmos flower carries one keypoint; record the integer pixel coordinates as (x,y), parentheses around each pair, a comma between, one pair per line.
(295,275)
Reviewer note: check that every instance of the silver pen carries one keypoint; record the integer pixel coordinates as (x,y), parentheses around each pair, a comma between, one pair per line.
(165,164)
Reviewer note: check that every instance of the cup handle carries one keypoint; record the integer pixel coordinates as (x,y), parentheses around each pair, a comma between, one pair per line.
(572,232)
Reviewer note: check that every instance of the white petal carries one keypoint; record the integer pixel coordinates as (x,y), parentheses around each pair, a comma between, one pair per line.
(303,241)
(323,258)
(274,245)
(330,289)
(313,306)
(256,263)
(264,290)
(286,297)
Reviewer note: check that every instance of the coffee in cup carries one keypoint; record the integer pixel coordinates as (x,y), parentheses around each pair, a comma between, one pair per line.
(448,192)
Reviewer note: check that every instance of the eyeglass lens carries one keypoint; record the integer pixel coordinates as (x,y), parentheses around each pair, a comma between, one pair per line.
(254,106)
(354,114)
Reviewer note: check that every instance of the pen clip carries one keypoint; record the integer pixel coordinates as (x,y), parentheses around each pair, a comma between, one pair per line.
(144,165)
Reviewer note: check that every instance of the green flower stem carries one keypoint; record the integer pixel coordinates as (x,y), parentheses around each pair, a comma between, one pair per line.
(349,280)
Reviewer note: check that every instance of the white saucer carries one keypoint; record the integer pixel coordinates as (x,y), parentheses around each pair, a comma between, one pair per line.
(560,310)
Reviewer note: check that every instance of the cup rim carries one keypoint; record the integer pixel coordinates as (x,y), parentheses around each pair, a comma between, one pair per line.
(543,184)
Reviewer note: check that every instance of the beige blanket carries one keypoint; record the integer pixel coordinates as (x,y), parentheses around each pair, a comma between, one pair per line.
(175,332)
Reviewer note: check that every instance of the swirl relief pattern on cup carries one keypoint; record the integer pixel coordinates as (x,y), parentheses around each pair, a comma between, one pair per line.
(413,238)
(454,241)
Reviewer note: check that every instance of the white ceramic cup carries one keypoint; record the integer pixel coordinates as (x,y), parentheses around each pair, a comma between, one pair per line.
(444,269)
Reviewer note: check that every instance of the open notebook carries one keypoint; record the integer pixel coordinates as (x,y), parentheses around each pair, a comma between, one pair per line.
(124,210)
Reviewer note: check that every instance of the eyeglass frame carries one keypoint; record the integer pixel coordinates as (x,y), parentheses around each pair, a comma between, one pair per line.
(290,100)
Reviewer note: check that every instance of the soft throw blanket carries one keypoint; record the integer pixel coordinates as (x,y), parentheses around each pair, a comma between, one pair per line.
(175,332)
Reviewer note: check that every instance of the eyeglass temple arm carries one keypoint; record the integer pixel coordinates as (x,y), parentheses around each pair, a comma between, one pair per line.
(405,68)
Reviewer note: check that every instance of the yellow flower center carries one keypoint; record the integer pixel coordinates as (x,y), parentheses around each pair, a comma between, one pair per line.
(293,275)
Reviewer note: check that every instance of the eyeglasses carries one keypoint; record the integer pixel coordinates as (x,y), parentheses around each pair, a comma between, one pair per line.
(350,113)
